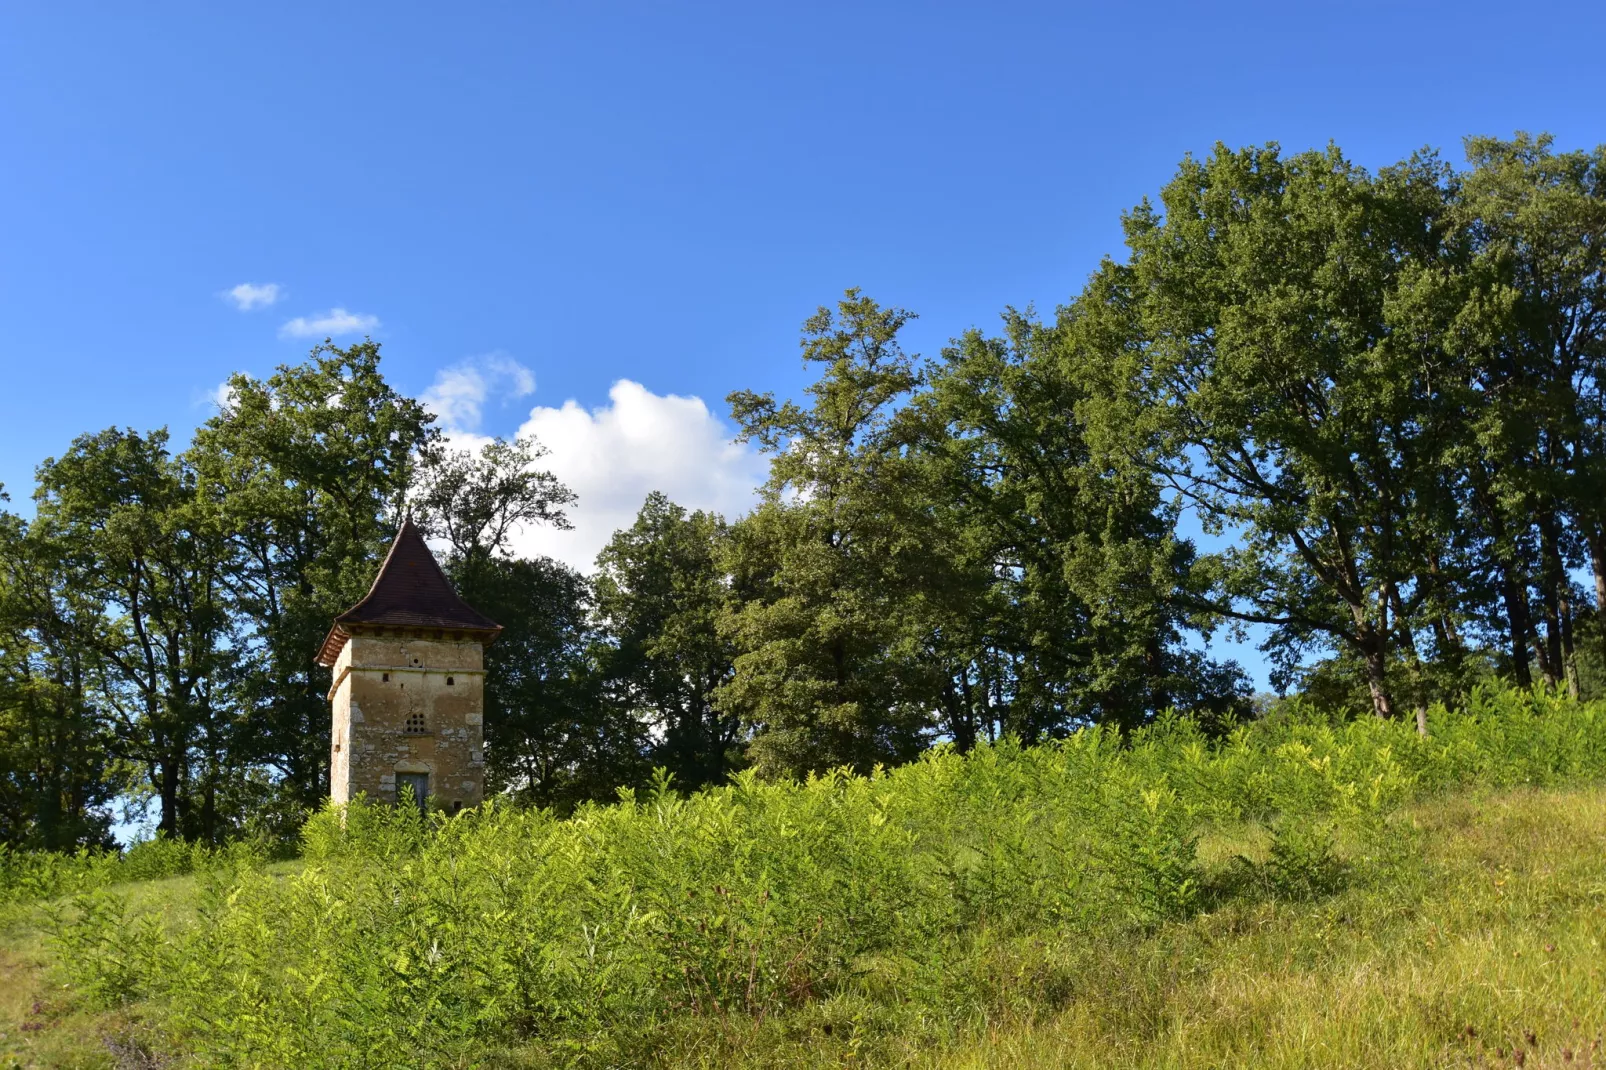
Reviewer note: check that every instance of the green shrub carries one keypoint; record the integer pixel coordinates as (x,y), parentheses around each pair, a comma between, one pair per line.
(1304,863)
(106,953)
(159,857)
(30,876)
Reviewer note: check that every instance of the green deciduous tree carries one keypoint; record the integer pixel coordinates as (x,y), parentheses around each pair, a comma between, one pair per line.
(1523,319)
(145,549)
(829,669)
(1247,355)
(1064,568)
(58,772)
(660,592)
(308,470)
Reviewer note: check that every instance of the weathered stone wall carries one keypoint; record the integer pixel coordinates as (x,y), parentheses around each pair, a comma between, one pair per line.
(408,705)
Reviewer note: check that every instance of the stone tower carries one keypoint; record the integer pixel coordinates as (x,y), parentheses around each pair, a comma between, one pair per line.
(409,685)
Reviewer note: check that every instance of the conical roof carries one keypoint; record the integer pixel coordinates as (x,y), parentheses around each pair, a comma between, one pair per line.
(410,591)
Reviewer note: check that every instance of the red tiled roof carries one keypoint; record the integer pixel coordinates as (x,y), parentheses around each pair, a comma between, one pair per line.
(410,591)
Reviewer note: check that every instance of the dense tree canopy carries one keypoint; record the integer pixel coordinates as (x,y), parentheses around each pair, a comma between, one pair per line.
(1361,414)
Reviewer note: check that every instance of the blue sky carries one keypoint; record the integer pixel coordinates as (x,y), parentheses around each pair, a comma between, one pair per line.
(609,204)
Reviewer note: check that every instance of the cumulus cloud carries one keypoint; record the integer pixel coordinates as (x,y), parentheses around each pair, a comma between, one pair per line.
(331,324)
(458,395)
(250,295)
(222,395)
(613,455)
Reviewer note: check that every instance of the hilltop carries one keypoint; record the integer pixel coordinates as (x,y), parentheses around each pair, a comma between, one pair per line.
(1298,894)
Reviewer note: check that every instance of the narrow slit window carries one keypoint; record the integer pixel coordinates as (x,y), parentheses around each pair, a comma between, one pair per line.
(384,677)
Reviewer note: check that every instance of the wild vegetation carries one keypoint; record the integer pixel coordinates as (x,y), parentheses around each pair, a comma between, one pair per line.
(928,743)
(886,915)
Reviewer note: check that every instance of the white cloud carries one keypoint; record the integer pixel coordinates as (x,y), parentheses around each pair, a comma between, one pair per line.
(222,395)
(459,393)
(249,295)
(336,321)
(612,456)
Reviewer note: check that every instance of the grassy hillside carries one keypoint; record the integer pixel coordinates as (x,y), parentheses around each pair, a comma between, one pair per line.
(1304,895)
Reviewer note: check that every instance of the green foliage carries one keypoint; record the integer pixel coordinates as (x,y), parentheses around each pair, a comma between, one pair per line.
(1303,863)
(365,830)
(476,502)
(141,546)
(660,592)
(552,740)
(57,769)
(1385,388)
(306,470)
(438,939)
(1062,601)
(104,951)
(30,876)
(831,669)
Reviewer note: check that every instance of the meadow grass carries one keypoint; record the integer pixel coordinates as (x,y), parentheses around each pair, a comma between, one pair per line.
(1493,933)
(1303,894)
(1489,954)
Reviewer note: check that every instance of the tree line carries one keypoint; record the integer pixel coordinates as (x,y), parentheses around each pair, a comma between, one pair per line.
(1360,412)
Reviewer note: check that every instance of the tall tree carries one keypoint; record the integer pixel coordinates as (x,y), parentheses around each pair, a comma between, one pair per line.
(550,738)
(476,503)
(1530,325)
(147,551)
(308,470)
(831,666)
(58,773)
(1251,355)
(1065,576)
(660,592)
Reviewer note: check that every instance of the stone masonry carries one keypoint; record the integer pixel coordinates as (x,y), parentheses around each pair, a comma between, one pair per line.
(406,704)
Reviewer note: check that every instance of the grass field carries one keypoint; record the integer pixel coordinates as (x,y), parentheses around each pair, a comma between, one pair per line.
(1307,892)
(1483,947)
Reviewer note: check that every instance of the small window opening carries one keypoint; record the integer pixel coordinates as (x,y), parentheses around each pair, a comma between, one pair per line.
(415,724)
(448,681)
(457,805)
(384,677)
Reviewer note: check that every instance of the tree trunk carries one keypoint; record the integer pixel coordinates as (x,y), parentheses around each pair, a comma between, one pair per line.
(1550,593)
(169,777)
(961,724)
(1547,672)
(1377,673)
(1597,566)
(1516,599)
(1569,659)
(1413,657)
